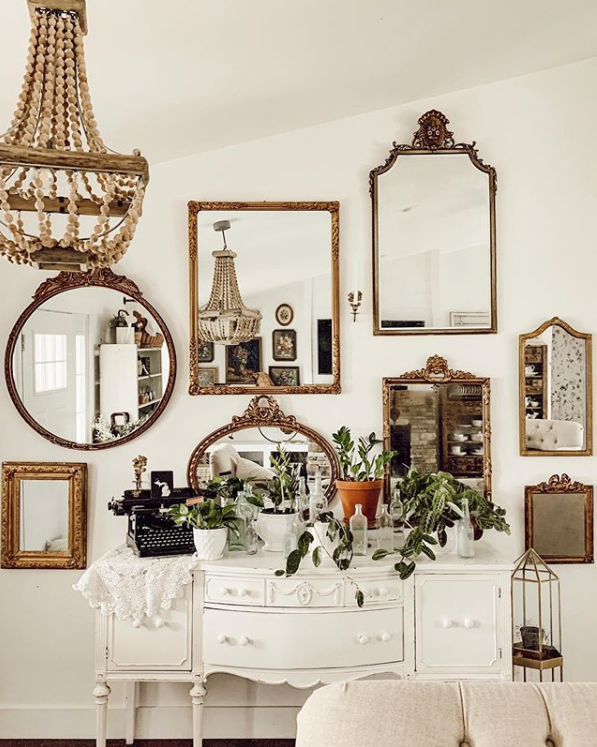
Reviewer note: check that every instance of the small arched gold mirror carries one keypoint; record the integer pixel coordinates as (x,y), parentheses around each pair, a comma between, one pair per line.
(556,391)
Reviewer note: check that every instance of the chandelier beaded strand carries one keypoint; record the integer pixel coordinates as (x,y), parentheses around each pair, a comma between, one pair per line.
(66,200)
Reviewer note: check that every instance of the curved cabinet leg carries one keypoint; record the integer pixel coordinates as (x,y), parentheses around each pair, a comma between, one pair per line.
(101,693)
(198,693)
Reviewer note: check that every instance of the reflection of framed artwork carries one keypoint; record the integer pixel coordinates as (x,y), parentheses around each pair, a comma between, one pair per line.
(208,375)
(284,344)
(243,362)
(285,375)
(324,347)
(206,352)
(284,314)
(559,520)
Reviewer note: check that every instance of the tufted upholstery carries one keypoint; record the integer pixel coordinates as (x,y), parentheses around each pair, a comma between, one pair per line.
(554,435)
(225,459)
(449,714)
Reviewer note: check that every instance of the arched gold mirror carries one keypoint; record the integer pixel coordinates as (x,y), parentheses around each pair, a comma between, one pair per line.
(90,363)
(243,447)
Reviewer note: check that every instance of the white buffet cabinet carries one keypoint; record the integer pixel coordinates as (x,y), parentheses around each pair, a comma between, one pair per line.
(450,620)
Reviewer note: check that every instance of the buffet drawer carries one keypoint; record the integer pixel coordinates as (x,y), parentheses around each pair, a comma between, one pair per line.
(270,640)
(233,590)
(292,592)
(377,591)
(162,642)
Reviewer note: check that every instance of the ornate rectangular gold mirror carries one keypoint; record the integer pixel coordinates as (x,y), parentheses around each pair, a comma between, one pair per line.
(437,419)
(559,520)
(434,238)
(264,299)
(555,391)
(44,515)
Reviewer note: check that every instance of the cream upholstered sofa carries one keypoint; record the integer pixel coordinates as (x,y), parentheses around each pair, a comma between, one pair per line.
(449,714)
(554,435)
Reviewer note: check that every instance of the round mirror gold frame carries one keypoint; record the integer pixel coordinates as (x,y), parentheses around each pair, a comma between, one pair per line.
(67,281)
(264,411)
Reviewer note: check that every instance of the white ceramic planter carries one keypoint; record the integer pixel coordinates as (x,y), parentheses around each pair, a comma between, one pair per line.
(210,543)
(125,335)
(271,528)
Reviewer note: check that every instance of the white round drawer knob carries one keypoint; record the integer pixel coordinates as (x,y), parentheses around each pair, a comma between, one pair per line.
(243,641)
(382,591)
(137,623)
(223,591)
(364,640)
(159,622)
(242,592)
(468,623)
(447,623)
(385,637)
(221,638)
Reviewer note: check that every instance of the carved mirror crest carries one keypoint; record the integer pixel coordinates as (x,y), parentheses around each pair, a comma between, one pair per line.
(90,363)
(434,236)
(243,447)
(555,391)
(438,419)
(559,520)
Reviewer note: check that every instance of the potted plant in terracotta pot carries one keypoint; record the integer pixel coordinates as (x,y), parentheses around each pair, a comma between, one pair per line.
(275,519)
(210,523)
(362,472)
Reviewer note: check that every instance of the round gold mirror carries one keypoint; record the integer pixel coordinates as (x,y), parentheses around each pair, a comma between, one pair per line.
(90,364)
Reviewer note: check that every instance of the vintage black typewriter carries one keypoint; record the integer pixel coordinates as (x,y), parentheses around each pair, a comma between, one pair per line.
(151,532)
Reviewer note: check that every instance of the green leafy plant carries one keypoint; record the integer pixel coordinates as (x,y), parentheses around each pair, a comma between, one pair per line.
(357,461)
(119,320)
(432,504)
(206,515)
(224,489)
(284,487)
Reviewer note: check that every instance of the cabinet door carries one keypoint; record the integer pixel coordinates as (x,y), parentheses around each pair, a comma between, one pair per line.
(457,628)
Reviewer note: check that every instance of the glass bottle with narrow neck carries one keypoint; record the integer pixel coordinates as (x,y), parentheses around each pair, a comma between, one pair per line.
(303,498)
(385,533)
(358,528)
(466,533)
(397,516)
(317,500)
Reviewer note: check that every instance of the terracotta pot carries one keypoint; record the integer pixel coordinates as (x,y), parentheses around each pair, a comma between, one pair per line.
(365,493)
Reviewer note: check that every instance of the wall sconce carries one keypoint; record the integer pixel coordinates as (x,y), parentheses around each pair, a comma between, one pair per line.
(355,304)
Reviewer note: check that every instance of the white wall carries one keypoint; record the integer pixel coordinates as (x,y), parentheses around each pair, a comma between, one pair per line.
(528,128)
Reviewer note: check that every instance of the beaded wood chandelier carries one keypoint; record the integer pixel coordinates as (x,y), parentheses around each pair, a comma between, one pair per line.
(66,201)
(225,319)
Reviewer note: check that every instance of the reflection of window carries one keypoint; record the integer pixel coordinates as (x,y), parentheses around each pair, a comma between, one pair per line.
(50,362)
(80,388)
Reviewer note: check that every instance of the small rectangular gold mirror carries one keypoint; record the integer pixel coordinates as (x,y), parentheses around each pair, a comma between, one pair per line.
(264,298)
(44,515)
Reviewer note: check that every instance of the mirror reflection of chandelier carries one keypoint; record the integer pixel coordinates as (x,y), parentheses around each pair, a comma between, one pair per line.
(225,319)
(66,201)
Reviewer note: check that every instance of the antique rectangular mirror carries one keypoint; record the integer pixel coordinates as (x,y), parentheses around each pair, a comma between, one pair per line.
(555,391)
(264,301)
(44,515)
(434,238)
(438,419)
(559,520)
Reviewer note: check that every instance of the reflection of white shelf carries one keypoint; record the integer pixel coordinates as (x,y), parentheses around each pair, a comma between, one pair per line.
(148,350)
(149,376)
(147,404)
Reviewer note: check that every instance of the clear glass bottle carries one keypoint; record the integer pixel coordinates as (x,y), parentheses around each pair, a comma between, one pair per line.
(290,539)
(251,539)
(466,533)
(358,527)
(236,542)
(317,500)
(303,497)
(385,533)
(397,516)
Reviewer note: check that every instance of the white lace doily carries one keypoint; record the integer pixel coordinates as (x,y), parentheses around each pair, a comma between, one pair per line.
(129,586)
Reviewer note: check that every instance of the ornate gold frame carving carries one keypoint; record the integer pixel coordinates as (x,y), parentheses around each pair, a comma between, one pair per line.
(563,484)
(437,371)
(432,138)
(194,207)
(65,281)
(522,339)
(263,410)
(13,473)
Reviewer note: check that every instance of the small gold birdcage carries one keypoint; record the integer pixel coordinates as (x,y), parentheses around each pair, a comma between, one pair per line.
(536,616)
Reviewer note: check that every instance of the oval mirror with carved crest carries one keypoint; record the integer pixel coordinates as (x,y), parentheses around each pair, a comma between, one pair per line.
(243,447)
(90,363)
(438,419)
(434,238)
